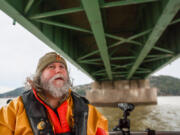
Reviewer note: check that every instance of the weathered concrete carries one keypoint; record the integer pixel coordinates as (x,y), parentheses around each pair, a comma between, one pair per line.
(110,93)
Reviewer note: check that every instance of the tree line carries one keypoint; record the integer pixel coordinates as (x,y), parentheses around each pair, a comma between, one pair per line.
(167,86)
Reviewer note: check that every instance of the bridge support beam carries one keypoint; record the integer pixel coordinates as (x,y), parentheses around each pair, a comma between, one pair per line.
(110,93)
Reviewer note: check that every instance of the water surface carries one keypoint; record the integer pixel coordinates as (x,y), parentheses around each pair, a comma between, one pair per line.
(163,117)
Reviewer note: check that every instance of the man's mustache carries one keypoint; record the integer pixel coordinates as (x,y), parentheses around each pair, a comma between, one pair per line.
(57,76)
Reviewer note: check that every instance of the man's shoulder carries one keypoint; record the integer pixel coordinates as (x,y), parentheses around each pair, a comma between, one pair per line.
(27,95)
(15,101)
(15,105)
(26,92)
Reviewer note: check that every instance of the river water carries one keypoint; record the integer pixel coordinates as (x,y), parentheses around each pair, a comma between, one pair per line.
(164,116)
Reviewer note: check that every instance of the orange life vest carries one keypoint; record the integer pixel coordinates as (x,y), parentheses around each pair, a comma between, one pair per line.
(36,112)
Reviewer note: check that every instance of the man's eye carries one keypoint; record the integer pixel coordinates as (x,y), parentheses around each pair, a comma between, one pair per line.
(62,66)
(51,66)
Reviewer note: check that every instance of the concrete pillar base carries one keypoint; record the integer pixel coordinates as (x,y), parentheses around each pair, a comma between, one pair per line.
(112,93)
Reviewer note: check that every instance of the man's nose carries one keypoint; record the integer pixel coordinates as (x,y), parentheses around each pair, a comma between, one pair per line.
(58,70)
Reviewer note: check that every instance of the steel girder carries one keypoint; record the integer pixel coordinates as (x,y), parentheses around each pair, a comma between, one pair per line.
(108,52)
(16,15)
(164,20)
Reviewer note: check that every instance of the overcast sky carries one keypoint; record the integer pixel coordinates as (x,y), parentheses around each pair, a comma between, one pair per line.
(20,52)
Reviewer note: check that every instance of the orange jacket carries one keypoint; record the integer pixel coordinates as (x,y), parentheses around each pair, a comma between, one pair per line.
(14,121)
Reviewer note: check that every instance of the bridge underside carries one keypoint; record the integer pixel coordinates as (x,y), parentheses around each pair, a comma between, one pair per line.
(106,39)
(109,40)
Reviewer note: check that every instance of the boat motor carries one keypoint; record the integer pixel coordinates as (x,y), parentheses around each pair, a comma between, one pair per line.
(124,123)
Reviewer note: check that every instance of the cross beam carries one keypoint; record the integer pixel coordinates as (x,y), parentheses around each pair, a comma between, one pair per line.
(16,15)
(95,20)
(164,20)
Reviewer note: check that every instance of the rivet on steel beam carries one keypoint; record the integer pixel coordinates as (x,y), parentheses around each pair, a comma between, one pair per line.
(14,22)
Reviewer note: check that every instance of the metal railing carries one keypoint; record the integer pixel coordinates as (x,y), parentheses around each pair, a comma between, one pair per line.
(146,133)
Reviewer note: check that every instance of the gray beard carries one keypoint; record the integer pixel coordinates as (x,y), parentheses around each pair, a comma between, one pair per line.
(54,91)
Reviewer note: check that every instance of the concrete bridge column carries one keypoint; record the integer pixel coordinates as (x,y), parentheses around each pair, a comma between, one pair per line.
(110,93)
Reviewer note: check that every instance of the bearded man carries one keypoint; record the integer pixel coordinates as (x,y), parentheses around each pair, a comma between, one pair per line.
(50,107)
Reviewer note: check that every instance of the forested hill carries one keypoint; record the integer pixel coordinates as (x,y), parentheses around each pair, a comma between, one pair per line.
(167,86)
(13,93)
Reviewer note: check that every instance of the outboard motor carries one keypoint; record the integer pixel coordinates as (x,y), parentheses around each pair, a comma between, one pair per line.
(124,123)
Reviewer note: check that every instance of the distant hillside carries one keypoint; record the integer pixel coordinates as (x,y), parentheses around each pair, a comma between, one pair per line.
(13,93)
(167,86)
(81,89)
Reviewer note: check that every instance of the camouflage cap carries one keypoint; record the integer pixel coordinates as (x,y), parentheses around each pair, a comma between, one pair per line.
(47,59)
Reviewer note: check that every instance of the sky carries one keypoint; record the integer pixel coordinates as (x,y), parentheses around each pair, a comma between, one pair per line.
(19,55)
(20,52)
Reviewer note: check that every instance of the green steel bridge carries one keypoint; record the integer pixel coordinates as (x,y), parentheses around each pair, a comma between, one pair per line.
(106,39)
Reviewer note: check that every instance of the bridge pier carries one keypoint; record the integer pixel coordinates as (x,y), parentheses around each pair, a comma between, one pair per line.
(110,93)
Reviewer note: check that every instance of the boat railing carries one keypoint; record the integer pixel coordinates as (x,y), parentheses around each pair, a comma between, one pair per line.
(146,133)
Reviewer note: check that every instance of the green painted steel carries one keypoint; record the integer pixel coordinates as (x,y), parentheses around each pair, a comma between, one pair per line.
(64,25)
(168,14)
(88,31)
(87,55)
(163,65)
(117,43)
(139,35)
(175,21)
(123,58)
(99,71)
(28,6)
(157,58)
(57,12)
(144,69)
(142,72)
(129,39)
(91,63)
(121,66)
(122,39)
(125,3)
(111,58)
(91,60)
(94,17)
(159,55)
(78,9)
(163,50)
(16,15)
(14,22)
